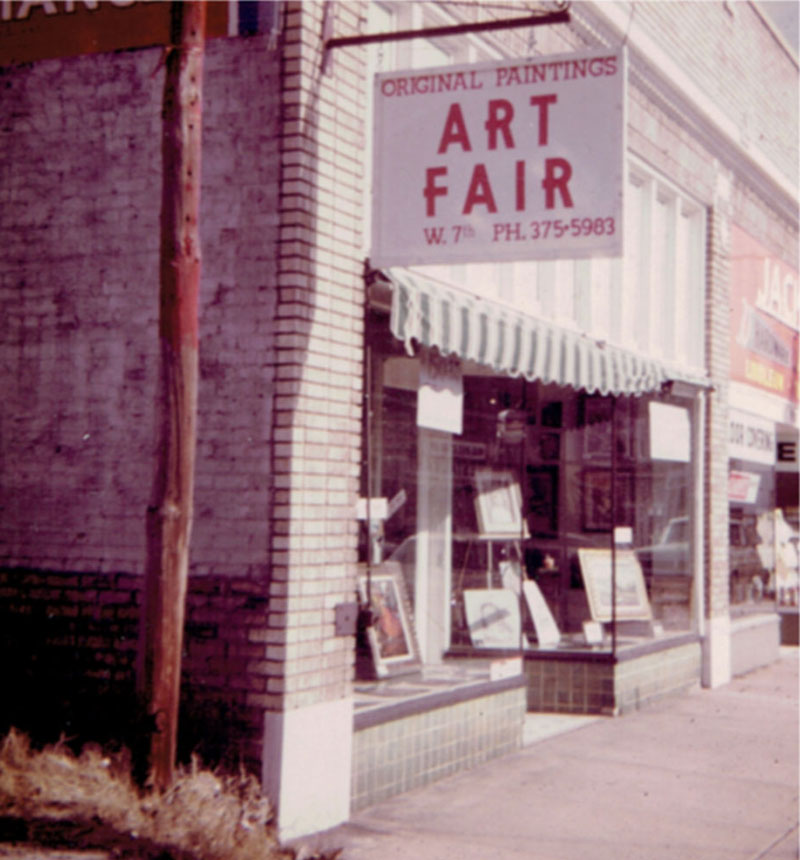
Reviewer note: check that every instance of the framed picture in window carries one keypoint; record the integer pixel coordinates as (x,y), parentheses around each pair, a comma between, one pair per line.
(552,414)
(630,594)
(542,507)
(597,428)
(498,504)
(493,617)
(604,419)
(391,636)
(597,508)
(550,446)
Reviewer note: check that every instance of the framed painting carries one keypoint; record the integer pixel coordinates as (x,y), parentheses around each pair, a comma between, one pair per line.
(391,636)
(498,504)
(542,508)
(597,428)
(598,515)
(604,420)
(493,617)
(630,598)
(552,414)
(549,446)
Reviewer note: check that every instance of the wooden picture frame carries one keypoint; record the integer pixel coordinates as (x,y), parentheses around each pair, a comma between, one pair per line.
(596,492)
(631,595)
(542,501)
(392,639)
(552,414)
(498,504)
(597,412)
(550,446)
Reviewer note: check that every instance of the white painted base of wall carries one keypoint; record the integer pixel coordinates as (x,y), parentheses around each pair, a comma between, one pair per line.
(717,651)
(755,642)
(307,766)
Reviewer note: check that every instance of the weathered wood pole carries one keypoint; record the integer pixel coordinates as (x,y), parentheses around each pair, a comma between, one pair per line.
(169,517)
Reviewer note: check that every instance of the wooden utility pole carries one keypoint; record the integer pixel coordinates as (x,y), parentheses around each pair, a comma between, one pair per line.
(169,517)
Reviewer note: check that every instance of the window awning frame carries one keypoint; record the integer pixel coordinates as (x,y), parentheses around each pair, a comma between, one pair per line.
(432,313)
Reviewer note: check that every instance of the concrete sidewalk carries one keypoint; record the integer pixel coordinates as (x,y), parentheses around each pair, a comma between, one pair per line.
(711,775)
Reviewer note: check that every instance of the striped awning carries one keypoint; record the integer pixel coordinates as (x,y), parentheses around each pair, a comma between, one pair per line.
(458,323)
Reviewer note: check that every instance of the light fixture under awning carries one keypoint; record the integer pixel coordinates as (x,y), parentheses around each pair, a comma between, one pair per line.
(457,323)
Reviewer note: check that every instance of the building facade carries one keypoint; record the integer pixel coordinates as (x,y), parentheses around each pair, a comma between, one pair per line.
(556,484)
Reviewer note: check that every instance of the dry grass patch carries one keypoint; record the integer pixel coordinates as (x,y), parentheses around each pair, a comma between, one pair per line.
(93,798)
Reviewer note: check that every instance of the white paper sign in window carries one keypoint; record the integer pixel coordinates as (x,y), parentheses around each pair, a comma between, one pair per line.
(670,438)
(440,400)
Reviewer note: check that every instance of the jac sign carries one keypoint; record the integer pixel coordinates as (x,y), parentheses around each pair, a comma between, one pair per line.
(765,318)
(500,161)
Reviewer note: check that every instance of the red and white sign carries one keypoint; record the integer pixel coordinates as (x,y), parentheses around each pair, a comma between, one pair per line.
(765,318)
(743,487)
(509,160)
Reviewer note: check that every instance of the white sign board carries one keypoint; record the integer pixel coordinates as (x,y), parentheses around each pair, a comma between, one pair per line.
(751,438)
(670,432)
(440,399)
(508,160)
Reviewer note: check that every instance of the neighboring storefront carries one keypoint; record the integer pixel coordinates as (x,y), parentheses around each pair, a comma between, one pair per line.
(763,488)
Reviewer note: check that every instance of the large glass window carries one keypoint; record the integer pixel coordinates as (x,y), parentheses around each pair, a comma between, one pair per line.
(513,533)
(757,531)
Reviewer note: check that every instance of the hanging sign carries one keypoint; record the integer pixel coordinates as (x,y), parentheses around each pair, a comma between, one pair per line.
(508,160)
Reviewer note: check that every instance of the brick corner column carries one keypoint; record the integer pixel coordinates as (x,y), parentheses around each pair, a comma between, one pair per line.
(308,721)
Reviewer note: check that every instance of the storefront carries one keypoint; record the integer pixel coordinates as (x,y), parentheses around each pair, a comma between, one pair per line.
(763,476)
(523,467)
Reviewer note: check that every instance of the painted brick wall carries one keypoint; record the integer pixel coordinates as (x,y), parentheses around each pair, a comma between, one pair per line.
(728,52)
(754,214)
(69,645)
(79,223)
(80,180)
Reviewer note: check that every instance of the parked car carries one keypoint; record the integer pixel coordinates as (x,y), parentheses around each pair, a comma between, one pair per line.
(670,554)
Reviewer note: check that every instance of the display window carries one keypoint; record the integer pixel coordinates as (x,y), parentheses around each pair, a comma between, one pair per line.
(544,517)
(763,542)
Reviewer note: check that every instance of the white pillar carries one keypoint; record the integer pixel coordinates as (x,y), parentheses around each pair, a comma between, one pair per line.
(717,651)
(307,766)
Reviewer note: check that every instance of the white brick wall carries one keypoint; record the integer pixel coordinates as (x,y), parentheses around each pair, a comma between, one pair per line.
(79,223)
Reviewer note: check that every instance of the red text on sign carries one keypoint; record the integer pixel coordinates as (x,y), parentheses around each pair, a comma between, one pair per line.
(498,125)
(479,191)
(500,114)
